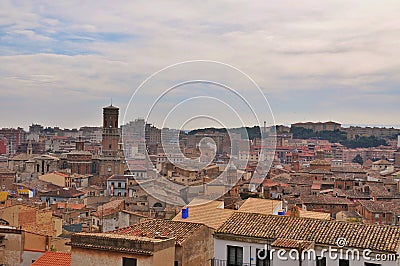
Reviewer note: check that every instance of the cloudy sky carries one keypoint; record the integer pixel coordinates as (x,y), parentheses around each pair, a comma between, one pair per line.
(62,61)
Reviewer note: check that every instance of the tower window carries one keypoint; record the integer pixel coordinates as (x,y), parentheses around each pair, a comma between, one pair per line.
(109,146)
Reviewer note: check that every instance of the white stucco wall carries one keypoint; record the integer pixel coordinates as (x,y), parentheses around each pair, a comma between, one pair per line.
(249,251)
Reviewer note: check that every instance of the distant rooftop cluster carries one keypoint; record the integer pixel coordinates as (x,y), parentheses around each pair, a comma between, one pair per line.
(85,196)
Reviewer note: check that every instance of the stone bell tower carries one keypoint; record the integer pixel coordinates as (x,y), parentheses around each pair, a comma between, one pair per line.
(111,133)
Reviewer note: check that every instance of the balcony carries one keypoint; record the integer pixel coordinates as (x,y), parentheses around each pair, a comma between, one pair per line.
(216,262)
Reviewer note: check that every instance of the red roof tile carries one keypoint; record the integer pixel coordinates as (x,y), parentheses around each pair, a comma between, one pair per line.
(53,259)
(321,232)
(178,230)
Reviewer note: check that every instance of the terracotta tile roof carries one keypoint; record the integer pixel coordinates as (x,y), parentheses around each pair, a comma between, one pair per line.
(53,259)
(347,169)
(321,171)
(22,157)
(300,180)
(151,228)
(324,199)
(382,162)
(119,177)
(292,244)
(109,208)
(378,190)
(282,178)
(117,242)
(374,237)
(135,213)
(311,214)
(263,206)
(62,174)
(292,200)
(381,206)
(352,194)
(316,186)
(6,171)
(269,183)
(69,192)
(320,162)
(209,214)
(297,190)
(38,185)
(74,206)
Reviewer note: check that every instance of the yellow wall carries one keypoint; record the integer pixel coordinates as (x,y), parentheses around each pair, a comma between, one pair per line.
(57,225)
(89,257)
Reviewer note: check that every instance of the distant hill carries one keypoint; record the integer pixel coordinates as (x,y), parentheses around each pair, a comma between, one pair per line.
(252,132)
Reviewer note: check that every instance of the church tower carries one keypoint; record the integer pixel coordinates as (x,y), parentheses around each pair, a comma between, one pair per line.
(111,161)
(111,133)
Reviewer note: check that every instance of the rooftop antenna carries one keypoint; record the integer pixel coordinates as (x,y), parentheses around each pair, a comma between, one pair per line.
(111,101)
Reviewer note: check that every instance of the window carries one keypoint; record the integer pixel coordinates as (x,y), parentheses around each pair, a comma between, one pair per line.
(344,262)
(262,257)
(321,261)
(176,263)
(235,256)
(129,262)
(376,215)
(119,184)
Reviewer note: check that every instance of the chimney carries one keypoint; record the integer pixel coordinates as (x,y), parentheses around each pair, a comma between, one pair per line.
(295,212)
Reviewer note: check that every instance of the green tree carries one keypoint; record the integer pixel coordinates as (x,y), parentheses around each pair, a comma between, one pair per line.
(358,159)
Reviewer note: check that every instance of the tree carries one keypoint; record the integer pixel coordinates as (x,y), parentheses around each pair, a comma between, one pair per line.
(358,159)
